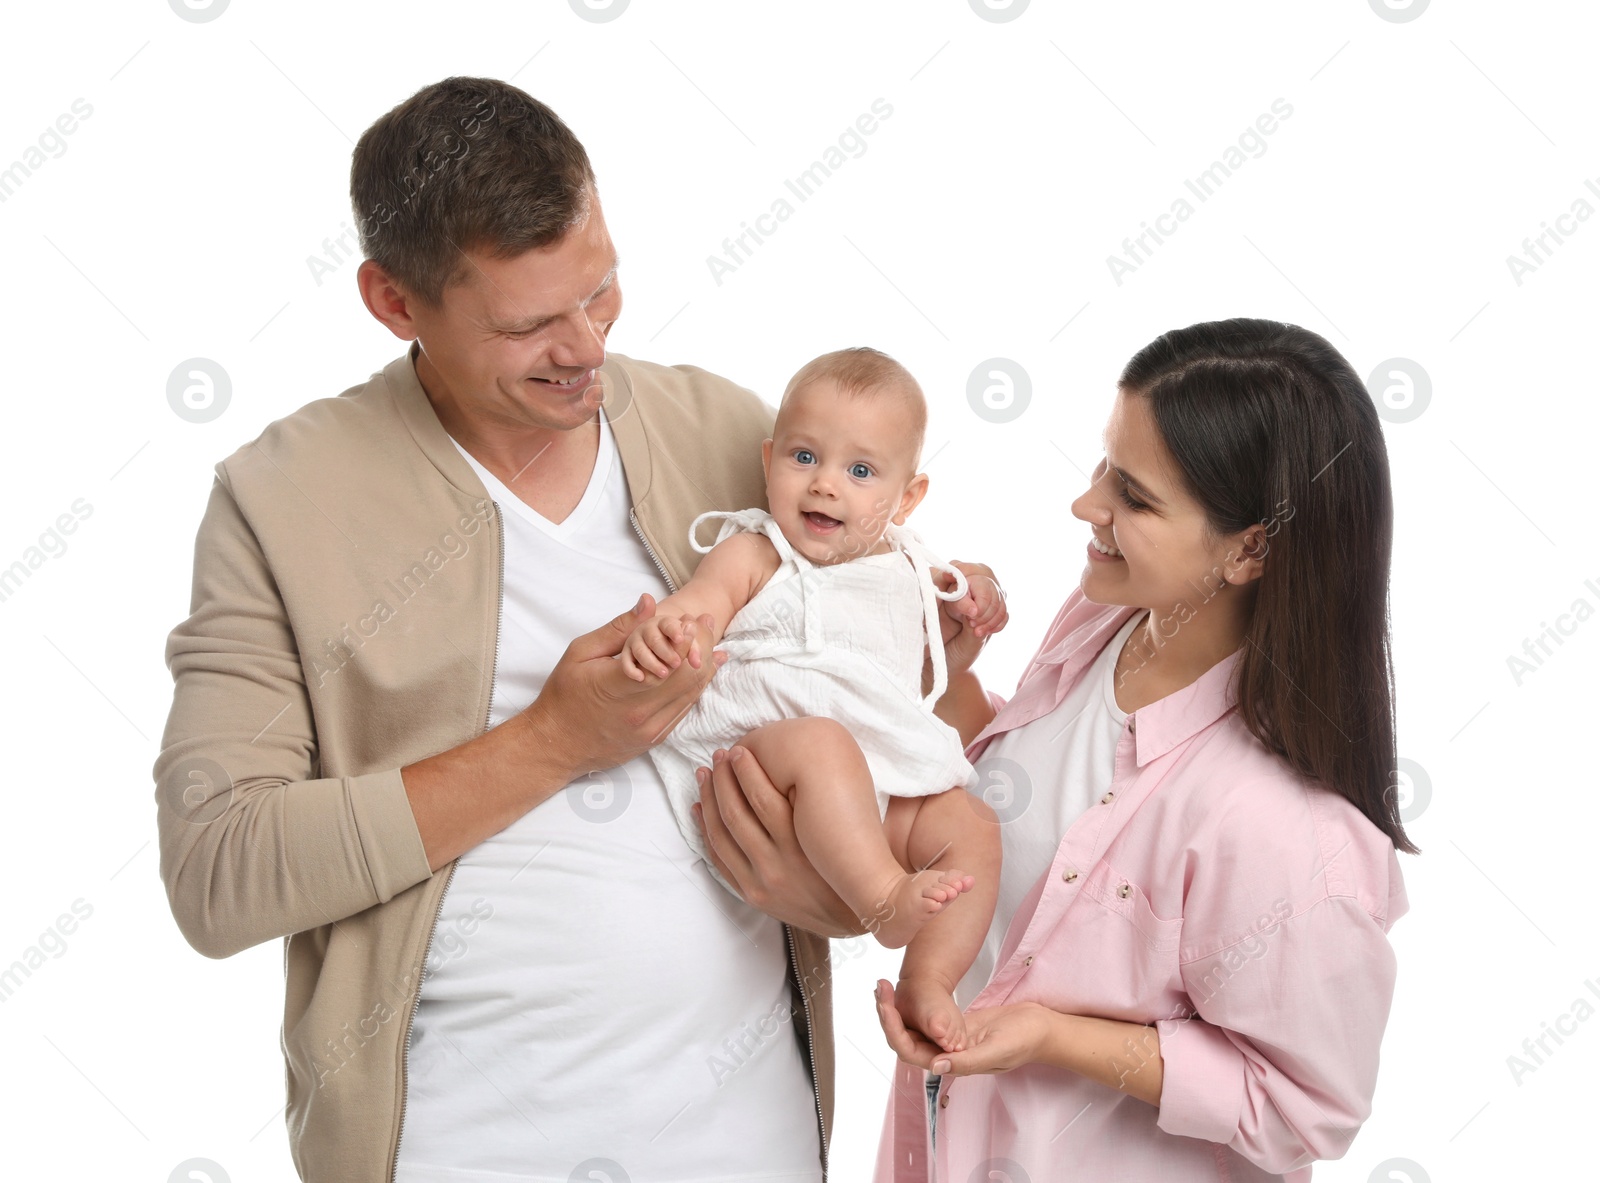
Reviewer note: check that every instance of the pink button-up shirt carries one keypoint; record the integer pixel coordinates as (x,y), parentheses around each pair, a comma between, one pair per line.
(1211,892)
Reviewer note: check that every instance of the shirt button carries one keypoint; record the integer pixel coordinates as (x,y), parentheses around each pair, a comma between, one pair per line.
(1124,891)
(944,1100)
(1027,961)
(1108,798)
(1069,874)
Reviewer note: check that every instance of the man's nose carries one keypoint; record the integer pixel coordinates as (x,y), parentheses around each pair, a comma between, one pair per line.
(577,342)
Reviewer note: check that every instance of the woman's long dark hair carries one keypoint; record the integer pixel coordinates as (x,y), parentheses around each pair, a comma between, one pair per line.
(1268,423)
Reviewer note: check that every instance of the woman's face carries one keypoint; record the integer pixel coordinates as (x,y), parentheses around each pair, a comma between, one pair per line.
(1136,506)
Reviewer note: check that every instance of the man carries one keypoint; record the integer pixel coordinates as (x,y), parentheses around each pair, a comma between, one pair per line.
(375,685)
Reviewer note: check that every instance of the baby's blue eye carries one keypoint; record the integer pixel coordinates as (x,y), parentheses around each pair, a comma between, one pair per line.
(804,457)
(860,471)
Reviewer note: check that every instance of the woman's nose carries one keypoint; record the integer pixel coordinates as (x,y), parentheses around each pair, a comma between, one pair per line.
(1089,508)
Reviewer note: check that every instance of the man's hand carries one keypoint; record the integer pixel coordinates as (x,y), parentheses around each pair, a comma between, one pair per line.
(748,826)
(596,715)
(969,622)
(590,715)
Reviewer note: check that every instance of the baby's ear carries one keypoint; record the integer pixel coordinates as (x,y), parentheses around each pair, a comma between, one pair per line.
(915,491)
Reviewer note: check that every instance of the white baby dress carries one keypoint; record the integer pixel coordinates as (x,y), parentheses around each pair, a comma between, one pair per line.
(843,641)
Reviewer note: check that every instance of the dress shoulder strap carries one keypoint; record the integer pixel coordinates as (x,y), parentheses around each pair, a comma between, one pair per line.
(925,562)
(755,520)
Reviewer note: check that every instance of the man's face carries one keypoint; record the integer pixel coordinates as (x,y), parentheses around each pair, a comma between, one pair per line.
(515,345)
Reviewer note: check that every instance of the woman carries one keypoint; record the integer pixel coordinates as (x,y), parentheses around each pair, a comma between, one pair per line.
(1188,974)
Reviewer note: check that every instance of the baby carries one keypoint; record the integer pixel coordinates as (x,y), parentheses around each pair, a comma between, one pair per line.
(827,607)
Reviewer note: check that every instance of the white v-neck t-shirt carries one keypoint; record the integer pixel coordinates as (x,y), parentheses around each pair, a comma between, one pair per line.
(1063,761)
(592,997)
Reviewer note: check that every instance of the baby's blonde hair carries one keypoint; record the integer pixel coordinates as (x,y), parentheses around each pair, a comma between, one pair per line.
(862,371)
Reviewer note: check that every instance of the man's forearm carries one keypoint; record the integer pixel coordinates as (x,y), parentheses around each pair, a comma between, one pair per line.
(471,792)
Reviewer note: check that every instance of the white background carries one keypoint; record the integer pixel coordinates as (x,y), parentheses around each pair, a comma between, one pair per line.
(179,219)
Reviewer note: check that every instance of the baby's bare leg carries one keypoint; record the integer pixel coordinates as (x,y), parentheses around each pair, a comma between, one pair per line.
(820,766)
(953,828)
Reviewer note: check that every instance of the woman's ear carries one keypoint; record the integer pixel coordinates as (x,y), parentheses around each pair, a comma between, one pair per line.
(1247,553)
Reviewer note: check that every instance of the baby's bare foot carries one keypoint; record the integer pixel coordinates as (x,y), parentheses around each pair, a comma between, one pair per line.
(926,1006)
(912,901)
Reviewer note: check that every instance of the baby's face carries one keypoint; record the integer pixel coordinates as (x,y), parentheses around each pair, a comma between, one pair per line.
(839,470)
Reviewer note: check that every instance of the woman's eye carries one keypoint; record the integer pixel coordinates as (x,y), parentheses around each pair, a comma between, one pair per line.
(804,457)
(860,471)
(1132,504)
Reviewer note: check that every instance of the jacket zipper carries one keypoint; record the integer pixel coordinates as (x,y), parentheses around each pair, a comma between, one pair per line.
(649,550)
(811,1046)
(494,668)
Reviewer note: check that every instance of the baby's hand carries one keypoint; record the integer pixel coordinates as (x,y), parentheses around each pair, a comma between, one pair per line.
(984,603)
(656,647)
(969,622)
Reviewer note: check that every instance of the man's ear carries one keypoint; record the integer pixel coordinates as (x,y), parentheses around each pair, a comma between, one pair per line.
(911,498)
(384,299)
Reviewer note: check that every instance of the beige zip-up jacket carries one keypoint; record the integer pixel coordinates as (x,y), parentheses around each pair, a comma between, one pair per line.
(344,624)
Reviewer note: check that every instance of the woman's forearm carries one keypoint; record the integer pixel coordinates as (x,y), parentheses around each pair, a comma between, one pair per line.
(965,706)
(1122,1056)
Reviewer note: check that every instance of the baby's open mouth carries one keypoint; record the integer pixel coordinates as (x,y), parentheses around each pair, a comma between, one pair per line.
(822,523)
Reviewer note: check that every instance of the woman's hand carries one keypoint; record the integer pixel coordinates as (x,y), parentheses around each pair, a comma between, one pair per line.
(970,621)
(748,827)
(998,1038)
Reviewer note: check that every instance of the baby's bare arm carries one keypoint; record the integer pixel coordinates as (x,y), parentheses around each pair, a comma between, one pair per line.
(726,580)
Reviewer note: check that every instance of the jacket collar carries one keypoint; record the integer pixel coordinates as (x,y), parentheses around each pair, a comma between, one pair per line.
(417,412)
(1086,629)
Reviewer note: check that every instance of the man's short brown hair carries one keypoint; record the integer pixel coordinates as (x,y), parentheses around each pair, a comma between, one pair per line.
(863,371)
(464,164)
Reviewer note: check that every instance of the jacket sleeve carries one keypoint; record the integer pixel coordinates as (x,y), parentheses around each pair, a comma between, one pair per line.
(253,845)
(1280,1061)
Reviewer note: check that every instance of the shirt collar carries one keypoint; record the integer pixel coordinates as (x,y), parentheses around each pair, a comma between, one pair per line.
(1157,727)
(1169,721)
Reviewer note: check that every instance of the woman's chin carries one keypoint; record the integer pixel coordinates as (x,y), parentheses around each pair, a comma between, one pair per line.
(1097,592)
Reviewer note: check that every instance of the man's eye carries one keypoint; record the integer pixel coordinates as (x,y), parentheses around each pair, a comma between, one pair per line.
(804,457)
(860,471)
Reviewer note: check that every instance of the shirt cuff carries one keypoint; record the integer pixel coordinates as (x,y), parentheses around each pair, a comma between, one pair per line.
(1202,1081)
(391,844)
